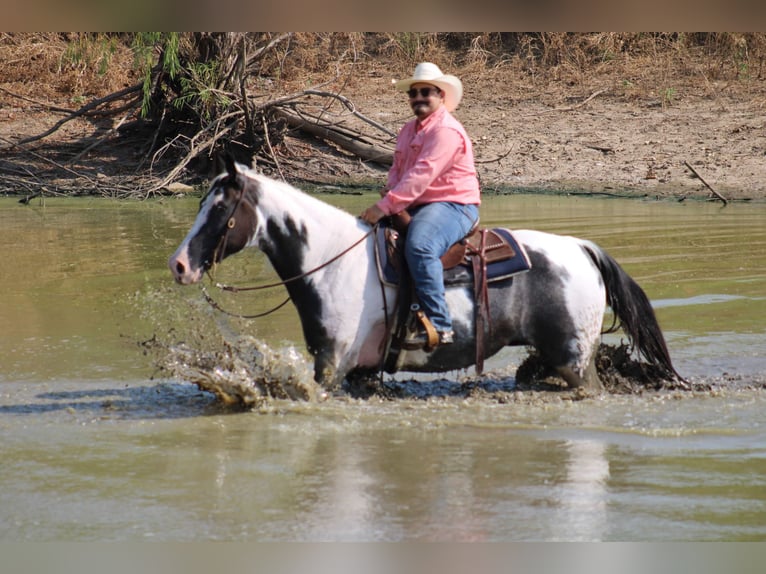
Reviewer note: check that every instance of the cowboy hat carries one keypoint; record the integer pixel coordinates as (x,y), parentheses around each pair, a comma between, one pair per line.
(428,73)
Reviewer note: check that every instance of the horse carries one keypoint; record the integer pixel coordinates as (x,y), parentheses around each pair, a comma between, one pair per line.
(325,257)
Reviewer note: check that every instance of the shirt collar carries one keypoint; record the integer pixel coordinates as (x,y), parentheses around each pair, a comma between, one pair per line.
(420,125)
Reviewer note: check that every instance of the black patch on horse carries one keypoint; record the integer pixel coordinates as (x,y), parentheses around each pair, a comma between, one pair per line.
(216,240)
(552,327)
(286,249)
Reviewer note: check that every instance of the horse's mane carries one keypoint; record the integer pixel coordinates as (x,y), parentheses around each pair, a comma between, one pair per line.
(283,193)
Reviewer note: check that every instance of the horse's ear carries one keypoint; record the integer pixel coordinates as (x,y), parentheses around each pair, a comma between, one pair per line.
(231,165)
(218,163)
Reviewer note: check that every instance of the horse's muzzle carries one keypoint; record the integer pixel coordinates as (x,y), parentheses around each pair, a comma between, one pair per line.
(182,270)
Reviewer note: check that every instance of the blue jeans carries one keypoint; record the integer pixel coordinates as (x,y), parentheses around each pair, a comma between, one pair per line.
(433,229)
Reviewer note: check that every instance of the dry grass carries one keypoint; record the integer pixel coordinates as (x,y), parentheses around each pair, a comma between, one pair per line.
(75,66)
(65,67)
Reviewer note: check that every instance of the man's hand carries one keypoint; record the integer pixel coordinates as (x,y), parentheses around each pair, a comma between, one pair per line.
(372,214)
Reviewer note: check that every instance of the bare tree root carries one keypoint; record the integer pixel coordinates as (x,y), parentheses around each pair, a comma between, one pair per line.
(89,108)
(182,130)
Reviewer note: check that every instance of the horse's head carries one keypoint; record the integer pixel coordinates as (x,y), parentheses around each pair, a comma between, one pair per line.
(225,224)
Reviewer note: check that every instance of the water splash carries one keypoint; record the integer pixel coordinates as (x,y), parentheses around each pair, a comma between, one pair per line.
(201,347)
(246,372)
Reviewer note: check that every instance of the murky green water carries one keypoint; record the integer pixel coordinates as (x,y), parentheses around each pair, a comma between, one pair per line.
(94,448)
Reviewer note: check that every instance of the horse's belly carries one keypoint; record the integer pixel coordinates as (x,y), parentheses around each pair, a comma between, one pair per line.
(371,351)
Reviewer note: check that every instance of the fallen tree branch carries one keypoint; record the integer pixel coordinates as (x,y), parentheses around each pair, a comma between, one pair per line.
(367,152)
(82,111)
(102,139)
(28,198)
(603,149)
(582,103)
(254,57)
(50,161)
(37,102)
(498,158)
(271,149)
(197,145)
(337,124)
(352,108)
(567,108)
(713,191)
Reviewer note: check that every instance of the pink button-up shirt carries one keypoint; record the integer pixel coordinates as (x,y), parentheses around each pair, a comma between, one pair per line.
(433,161)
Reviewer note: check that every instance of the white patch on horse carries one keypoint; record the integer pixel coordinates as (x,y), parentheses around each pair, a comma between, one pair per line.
(461,307)
(586,298)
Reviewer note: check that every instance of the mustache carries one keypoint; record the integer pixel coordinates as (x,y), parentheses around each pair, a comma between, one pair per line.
(419,103)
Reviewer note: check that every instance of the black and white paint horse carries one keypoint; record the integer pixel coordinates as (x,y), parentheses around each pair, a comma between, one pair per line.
(557,307)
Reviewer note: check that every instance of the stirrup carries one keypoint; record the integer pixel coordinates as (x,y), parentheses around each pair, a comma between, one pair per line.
(419,340)
(425,335)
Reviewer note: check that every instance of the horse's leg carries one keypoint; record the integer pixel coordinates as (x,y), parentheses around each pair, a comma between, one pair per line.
(559,312)
(580,368)
(586,378)
(326,369)
(591,378)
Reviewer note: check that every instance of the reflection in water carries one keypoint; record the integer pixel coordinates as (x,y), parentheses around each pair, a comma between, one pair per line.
(331,486)
(582,510)
(344,508)
(456,505)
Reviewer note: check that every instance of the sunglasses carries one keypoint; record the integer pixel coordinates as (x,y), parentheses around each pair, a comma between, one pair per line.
(424,92)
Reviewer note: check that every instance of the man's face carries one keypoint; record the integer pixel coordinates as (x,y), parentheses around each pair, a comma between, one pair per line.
(425,99)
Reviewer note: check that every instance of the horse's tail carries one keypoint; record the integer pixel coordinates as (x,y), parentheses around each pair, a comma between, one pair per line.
(632,308)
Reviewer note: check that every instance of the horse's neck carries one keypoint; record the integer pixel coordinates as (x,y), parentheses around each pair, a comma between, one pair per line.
(300,229)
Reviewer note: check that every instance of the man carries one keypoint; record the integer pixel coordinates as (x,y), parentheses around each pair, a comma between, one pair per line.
(434,179)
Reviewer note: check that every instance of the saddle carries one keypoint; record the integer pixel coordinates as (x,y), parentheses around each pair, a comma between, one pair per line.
(480,258)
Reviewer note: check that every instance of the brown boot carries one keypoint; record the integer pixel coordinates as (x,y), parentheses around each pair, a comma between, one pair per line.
(419,340)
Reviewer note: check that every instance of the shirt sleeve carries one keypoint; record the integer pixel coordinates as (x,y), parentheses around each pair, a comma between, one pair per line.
(435,157)
(393,172)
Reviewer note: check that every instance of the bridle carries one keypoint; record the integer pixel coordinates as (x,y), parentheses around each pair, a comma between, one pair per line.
(230,224)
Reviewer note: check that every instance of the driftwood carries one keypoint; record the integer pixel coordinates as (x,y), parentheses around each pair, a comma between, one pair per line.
(713,191)
(569,108)
(45,105)
(352,108)
(47,160)
(498,158)
(87,108)
(203,141)
(582,103)
(298,111)
(603,149)
(355,145)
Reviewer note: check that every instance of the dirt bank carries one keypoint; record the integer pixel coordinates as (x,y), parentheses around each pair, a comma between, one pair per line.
(602,140)
(632,128)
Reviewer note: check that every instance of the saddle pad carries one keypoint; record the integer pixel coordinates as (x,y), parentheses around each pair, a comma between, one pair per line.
(463,273)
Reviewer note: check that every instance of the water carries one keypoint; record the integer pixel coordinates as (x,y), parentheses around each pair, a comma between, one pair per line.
(98,446)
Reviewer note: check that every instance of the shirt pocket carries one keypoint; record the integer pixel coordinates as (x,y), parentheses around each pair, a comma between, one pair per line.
(414,155)
(416,143)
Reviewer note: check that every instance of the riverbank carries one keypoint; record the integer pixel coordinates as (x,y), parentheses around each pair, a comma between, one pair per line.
(598,138)
(676,127)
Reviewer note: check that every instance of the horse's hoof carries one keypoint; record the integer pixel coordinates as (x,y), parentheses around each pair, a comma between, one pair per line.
(589,382)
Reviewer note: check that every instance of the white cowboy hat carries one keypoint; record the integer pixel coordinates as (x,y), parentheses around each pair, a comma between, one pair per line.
(429,73)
